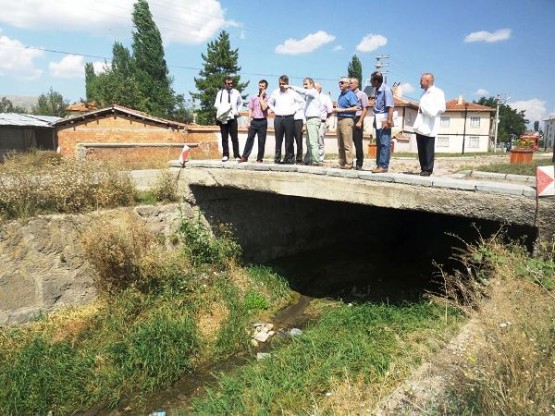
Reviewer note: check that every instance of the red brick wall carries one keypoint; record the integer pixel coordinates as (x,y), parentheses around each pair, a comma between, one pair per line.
(120,129)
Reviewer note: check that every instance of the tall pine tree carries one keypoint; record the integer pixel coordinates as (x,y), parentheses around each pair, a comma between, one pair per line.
(219,61)
(354,70)
(151,70)
(138,80)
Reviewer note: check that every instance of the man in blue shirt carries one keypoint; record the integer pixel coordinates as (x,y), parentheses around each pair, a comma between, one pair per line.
(345,110)
(383,121)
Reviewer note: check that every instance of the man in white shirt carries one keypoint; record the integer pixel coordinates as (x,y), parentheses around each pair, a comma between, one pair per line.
(284,102)
(426,125)
(326,110)
(227,104)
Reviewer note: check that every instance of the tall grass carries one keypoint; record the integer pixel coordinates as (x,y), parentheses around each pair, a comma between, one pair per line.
(510,369)
(373,344)
(44,183)
(158,318)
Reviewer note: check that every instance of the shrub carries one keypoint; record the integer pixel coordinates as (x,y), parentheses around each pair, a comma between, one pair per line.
(34,184)
(126,254)
(219,249)
(165,188)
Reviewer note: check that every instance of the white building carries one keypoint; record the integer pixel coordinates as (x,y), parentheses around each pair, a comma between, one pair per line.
(549,132)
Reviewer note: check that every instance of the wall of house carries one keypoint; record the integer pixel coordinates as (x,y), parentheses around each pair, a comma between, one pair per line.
(476,137)
(127,139)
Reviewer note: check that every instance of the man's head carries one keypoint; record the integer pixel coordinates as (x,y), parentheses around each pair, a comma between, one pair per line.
(308,83)
(344,84)
(318,86)
(426,80)
(228,83)
(376,79)
(353,82)
(283,82)
(262,84)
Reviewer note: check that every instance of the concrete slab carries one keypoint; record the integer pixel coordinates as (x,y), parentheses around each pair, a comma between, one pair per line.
(283,168)
(453,183)
(500,188)
(413,180)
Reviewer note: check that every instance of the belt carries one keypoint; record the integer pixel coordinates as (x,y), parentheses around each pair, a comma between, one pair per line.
(258,119)
(288,115)
(343,117)
(323,120)
(308,118)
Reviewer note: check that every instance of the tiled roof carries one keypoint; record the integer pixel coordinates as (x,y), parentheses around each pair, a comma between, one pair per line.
(461,105)
(122,110)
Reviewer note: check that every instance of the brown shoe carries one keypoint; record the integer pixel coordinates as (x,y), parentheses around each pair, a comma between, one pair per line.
(346,167)
(379,169)
(242,160)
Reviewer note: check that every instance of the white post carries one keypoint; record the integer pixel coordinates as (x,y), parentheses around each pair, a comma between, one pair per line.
(496,126)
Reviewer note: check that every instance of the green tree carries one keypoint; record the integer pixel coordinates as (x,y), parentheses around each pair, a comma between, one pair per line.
(219,61)
(6,106)
(51,104)
(511,121)
(138,80)
(150,68)
(354,70)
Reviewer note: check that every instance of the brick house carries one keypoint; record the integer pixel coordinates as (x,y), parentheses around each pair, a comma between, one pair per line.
(130,136)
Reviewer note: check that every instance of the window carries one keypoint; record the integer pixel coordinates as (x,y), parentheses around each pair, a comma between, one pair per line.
(475,121)
(445,121)
(442,141)
(473,142)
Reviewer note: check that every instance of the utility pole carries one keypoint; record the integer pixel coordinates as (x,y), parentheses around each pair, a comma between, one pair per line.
(497,100)
(382,61)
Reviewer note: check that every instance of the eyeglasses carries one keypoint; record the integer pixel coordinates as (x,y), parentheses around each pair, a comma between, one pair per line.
(229,83)
(342,82)
(282,83)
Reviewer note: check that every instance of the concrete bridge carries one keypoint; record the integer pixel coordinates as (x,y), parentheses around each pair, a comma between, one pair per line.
(297,207)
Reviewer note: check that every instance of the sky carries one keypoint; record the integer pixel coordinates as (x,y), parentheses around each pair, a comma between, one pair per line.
(475,48)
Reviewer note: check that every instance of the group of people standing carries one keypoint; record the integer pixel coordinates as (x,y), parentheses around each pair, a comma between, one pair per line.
(306,108)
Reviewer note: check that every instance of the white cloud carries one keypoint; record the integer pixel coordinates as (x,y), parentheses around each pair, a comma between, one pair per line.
(101,67)
(337,48)
(371,42)
(308,44)
(534,109)
(71,66)
(18,61)
(484,36)
(481,92)
(406,88)
(179,21)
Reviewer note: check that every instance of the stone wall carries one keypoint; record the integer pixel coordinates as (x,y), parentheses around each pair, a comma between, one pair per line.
(43,264)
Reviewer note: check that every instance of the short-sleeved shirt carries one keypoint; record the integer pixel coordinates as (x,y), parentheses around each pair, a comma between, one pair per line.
(256,109)
(362,102)
(383,100)
(346,99)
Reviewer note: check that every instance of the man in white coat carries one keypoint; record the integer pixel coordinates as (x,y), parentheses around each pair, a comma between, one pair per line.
(426,125)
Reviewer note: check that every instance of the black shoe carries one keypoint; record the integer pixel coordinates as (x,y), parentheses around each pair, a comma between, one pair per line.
(278,162)
(425,173)
(357,167)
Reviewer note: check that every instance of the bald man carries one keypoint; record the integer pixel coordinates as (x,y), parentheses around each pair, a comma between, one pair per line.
(426,125)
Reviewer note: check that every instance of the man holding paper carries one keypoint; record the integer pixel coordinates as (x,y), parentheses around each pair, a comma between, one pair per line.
(383,121)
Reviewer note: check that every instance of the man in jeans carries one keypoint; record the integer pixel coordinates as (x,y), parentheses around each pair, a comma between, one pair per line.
(258,117)
(383,121)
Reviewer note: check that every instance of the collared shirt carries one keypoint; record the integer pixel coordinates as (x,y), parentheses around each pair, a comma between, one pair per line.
(255,107)
(383,100)
(346,99)
(326,106)
(312,103)
(362,102)
(284,103)
(432,105)
(232,97)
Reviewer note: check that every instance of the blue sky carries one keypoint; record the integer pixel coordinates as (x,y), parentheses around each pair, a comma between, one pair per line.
(474,47)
